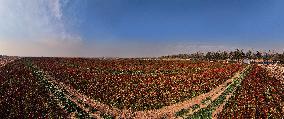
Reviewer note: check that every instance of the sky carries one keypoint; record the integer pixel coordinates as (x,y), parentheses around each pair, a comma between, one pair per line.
(138,28)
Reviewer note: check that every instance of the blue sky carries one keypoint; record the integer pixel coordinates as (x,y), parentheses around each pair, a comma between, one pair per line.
(136,28)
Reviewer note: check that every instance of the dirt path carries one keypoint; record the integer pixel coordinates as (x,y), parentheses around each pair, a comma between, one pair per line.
(220,108)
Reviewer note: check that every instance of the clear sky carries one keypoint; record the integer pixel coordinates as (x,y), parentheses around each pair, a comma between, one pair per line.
(134,28)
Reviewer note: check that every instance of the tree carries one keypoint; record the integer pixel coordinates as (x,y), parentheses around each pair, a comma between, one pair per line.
(208,56)
(224,55)
(258,55)
(238,54)
(249,54)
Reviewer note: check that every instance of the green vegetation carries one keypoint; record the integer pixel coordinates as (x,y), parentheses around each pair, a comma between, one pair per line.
(206,100)
(194,107)
(182,112)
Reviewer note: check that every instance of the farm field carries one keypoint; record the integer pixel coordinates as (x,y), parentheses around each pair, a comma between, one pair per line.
(43,87)
(138,84)
(141,59)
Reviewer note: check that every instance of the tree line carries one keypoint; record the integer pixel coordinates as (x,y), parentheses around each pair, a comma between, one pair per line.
(236,55)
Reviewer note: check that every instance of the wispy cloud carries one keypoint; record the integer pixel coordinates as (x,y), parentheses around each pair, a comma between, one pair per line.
(26,25)
(55,7)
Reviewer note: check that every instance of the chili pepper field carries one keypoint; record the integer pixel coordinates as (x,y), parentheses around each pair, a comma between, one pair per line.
(44,87)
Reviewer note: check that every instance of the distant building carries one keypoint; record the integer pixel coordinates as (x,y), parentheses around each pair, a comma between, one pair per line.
(262,61)
(246,61)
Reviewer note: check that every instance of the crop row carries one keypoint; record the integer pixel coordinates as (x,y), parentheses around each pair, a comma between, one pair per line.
(260,96)
(59,95)
(22,96)
(214,104)
(137,84)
